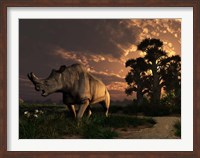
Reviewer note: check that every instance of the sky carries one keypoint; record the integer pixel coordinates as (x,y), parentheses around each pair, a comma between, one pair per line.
(101,45)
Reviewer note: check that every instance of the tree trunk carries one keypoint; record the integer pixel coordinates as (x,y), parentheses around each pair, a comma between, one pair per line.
(139,97)
(156,87)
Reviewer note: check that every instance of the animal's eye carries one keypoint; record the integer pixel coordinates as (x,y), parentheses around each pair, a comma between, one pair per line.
(46,82)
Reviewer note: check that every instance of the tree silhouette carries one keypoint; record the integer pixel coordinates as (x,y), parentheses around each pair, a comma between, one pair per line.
(137,78)
(154,56)
(172,75)
(148,75)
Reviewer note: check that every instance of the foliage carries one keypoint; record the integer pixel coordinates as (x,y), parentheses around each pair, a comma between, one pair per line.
(172,74)
(172,102)
(136,78)
(154,56)
(149,109)
(177,127)
(166,107)
(149,74)
(57,123)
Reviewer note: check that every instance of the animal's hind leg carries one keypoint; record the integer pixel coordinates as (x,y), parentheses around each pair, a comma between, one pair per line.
(82,109)
(105,107)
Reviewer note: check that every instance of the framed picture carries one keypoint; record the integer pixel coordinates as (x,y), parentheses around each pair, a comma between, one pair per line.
(138,60)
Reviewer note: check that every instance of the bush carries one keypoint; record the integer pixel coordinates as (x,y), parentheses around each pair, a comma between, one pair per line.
(172,102)
(177,127)
(147,109)
(169,104)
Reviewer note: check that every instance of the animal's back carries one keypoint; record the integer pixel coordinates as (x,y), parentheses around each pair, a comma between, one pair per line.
(77,67)
(72,74)
(92,87)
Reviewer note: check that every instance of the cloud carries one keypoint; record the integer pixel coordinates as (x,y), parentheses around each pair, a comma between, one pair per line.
(168,30)
(119,95)
(83,57)
(170,44)
(152,27)
(88,35)
(23,78)
(102,45)
(145,30)
(24,81)
(119,86)
(108,78)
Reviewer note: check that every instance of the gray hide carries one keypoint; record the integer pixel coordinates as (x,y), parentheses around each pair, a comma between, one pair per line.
(78,86)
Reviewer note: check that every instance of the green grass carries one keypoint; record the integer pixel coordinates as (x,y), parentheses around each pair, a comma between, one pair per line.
(55,122)
(94,131)
(177,127)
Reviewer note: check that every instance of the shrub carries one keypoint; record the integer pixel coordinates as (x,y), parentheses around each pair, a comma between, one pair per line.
(169,104)
(172,102)
(177,127)
(147,109)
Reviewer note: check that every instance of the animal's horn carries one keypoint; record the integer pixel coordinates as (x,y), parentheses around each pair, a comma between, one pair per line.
(33,78)
(29,76)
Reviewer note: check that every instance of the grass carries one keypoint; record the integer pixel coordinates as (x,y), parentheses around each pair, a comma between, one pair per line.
(54,122)
(177,127)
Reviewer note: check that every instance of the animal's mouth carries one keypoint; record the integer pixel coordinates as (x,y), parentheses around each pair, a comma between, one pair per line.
(37,88)
(44,93)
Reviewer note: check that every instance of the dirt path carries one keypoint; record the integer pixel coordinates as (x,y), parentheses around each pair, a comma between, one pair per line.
(163,129)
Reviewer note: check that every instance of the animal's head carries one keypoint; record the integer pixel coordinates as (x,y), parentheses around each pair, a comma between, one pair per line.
(49,85)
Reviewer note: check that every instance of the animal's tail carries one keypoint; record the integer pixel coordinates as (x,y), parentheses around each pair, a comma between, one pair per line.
(107,102)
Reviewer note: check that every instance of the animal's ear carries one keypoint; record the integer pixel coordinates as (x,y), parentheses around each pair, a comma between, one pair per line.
(53,71)
(62,68)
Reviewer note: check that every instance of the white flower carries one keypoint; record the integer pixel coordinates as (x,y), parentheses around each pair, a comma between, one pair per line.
(36,111)
(26,113)
(35,115)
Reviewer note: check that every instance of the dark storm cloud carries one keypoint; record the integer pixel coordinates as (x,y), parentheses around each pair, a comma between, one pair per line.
(40,37)
(92,36)
(119,31)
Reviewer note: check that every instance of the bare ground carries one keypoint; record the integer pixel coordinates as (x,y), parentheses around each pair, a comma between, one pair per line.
(163,129)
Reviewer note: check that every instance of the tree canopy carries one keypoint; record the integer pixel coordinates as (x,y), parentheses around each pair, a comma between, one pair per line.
(149,74)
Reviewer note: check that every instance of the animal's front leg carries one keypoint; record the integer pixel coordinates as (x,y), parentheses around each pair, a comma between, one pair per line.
(72,110)
(89,111)
(68,101)
(82,108)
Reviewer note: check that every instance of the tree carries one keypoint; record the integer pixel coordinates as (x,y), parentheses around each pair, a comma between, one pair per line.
(148,75)
(172,75)
(137,78)
(154,56)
